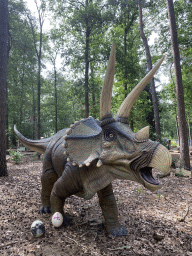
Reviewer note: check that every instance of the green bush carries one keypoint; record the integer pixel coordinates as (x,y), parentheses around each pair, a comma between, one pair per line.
(174,144)
(16,156)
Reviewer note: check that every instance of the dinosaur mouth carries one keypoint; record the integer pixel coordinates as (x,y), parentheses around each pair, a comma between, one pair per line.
(147,175)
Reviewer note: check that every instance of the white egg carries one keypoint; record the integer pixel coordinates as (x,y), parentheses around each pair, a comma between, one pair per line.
(37,228)
(57,219)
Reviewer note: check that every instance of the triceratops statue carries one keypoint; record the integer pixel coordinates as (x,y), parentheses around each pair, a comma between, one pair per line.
(86,158)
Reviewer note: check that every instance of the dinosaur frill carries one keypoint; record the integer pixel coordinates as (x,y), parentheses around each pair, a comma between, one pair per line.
(83,142)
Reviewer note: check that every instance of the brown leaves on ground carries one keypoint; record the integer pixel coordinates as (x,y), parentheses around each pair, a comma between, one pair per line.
(153,220)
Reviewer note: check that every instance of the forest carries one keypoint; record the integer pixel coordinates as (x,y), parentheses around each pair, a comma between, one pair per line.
(55,72)
(57,62)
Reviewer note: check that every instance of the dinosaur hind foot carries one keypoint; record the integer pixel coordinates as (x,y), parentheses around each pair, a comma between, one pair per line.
(118,232)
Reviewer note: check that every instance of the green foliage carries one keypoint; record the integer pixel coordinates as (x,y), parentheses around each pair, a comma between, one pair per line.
(159,196)
(16,156)
(140,190)
(100,23)
(174,144)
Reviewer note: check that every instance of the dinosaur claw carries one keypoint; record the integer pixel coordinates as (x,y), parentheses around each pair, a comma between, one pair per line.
(45,209)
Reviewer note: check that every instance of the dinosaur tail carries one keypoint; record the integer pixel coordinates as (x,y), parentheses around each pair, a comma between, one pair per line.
(35,145)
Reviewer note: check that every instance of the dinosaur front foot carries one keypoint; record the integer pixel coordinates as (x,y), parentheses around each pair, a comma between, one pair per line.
(118,232)
(45,209)
(66,219)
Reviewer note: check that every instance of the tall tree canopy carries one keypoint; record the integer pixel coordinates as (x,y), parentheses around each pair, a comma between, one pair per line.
(64,84)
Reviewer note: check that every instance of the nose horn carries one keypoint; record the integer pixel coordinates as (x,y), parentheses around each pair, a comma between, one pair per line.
(142,134)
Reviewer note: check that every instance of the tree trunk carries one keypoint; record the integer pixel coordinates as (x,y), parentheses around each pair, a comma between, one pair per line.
(94,112)
(177,126)
(39,99)
(3,78)
(7,110)
(87,65)
(189,128)
(21,100)
(125,56)
(149,65)
(38,53)
(184,147)
(33,115)
(55,86)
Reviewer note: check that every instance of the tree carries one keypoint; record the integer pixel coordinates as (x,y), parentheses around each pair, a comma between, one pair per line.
(83,23)
(3,77)
(149,64)
(38,49)
(21,74)
(184,147)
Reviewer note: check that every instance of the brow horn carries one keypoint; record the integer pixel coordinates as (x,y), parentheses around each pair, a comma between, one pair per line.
(128,102)
(105,100)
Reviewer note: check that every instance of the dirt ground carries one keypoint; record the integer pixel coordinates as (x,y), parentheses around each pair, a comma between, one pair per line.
(158,223)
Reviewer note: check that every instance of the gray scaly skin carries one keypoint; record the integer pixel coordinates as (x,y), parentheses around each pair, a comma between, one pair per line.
(86,158)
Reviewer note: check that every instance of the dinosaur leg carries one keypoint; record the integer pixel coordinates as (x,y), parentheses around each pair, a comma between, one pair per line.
(48,179)
(110,212)
(68,184)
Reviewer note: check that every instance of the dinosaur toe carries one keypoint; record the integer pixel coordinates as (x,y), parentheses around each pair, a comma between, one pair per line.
(45,209)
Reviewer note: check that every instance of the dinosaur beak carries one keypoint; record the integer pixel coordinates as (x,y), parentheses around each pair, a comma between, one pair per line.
(161,160)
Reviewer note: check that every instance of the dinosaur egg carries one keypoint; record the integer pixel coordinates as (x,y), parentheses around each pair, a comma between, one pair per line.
(37,228)
(57,219)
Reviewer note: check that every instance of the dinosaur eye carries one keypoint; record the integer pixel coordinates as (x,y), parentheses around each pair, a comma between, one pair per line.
(109,135)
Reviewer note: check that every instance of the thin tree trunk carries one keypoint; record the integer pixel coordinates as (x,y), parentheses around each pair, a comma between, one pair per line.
(184,147)
(125,55)
(21,100)
(33,115)
(93,91)
(87,65)
(3,78)
(39,99)
(189,127)
(149,64)
(38,53)
(55,85)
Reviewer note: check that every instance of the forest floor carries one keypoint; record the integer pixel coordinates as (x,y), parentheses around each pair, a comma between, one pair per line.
(158,223)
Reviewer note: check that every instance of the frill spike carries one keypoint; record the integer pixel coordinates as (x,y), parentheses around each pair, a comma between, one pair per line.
(99,163)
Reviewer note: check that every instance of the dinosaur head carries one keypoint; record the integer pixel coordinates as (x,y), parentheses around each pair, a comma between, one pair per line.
(110,142)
